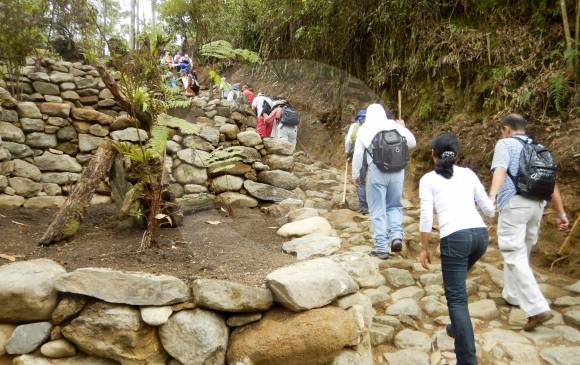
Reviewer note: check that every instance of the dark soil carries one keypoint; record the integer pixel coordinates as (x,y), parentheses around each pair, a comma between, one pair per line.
(242,248)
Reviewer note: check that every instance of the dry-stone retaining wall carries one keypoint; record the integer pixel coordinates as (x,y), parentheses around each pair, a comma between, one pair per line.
(307,313)
(66,111)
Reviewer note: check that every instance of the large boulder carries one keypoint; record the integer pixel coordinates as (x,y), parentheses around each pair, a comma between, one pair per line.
(285,338)
(28,337)
(362,268)
(130,134)
(305,227)
(195,337)
(27,291)
(187,174)
(312,245)
(226,183)
(279,162)
(279,178)
(310,284)
(234,199)
(41,140)
(193,157)
(10,132)
(28,109)
(91,115)
(227,296)
(115,332)
(266,192)
(249,138)
(55,109)
(278,146)
(134,288)
(52,162)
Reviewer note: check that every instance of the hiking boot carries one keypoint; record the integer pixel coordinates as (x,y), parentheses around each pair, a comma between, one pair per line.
(535,321)
(397,245)
(380,255)
(449,330)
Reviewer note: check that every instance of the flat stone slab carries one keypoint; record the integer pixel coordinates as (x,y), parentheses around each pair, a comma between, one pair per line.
(227,296)
(134,288)
(312,245)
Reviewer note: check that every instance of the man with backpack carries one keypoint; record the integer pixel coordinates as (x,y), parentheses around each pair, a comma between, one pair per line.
(524,178)
(284,120)
(383,144)
(349,142)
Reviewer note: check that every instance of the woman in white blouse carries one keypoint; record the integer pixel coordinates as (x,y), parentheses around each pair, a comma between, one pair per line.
(454,191)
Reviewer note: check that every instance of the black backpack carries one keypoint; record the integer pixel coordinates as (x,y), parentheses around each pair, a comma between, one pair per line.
(389,151)
(536,176)
(289,116)
(266,108)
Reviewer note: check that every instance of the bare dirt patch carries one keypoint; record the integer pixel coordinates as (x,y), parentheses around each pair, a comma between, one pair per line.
(243,247)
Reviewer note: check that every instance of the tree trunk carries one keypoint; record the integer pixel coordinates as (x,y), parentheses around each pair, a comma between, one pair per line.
(153,9)
(132,26)
(68,219)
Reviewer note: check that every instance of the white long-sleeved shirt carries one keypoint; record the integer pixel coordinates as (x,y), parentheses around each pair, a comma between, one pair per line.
(347,144)
(454,200)
(359,147)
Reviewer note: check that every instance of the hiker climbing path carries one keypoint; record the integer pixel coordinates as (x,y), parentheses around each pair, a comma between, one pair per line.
(409,307)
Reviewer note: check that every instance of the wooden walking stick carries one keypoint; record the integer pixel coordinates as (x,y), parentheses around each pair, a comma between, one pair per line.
(344,187)
(400,102)
(568,241)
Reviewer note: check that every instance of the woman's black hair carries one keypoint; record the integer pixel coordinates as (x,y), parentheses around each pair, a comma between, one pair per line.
(446,148)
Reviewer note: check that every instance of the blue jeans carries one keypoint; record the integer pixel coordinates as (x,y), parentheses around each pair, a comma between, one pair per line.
(459,251)
(384,191)
(361,191)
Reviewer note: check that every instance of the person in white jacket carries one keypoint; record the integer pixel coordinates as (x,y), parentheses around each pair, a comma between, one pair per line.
(384,189)
(454,191)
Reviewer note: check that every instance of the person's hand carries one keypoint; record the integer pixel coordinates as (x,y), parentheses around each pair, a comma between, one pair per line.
(563,221)
(356,182)
(425,258)
(493,199)
(401,122)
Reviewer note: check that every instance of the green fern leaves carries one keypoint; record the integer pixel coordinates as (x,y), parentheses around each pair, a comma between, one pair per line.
(223,50)
(558,90)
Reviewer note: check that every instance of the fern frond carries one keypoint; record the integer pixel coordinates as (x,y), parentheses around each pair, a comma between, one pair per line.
(558,89)
(158,140)
(184,126)
(178,103)
(133,152)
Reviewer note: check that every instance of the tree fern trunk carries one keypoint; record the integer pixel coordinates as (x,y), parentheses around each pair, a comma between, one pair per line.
(67,220)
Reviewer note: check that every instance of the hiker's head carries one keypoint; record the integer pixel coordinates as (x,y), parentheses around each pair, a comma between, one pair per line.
(245,87)
(445,151)
(376,113)
(360,116)
(512,124)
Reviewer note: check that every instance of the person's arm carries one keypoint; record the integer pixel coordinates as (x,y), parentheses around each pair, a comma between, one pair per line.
(347,145)
(499,166)
(481,198)
(405,132)
(274,115)
(558,205)
(357,158)
(425,221)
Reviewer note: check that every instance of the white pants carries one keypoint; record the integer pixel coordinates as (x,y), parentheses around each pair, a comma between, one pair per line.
(288,133)
(517,231)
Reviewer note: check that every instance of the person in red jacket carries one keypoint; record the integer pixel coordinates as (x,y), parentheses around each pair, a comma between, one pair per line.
(248,93)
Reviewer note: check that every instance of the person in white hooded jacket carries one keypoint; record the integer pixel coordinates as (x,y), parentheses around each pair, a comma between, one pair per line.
(384,189)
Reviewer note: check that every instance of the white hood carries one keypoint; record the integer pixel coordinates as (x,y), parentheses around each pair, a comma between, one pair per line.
(376,121)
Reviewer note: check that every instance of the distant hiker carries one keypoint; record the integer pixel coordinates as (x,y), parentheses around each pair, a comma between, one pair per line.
(349,142)
(383,145)
(176,59)
(194,82)
(248,93)
(521,198)
(453,192)
(262,105)
(235,94)
(284,120)
(225,88)
(167,60)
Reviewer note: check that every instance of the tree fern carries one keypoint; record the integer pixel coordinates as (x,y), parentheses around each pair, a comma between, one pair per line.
(184,126)
(224,51)
(558,88)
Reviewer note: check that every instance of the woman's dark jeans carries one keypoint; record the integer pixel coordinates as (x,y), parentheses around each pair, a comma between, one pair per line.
(459,251)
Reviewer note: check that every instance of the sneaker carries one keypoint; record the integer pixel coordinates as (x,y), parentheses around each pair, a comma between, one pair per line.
(449,330)
(397,245)
(380,255)
(535,321)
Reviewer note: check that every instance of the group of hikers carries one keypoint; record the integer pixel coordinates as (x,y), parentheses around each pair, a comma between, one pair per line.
(180,73)
(275,117)
(524,179)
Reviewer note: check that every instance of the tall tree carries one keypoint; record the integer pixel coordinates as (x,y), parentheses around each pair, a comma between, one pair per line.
(132,26)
